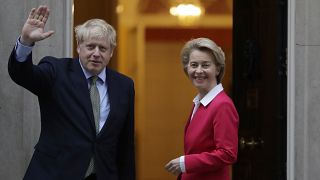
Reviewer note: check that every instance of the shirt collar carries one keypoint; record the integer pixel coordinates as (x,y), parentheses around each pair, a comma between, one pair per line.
(209,96)
(101,75)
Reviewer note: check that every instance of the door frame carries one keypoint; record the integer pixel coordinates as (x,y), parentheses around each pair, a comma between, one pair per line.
(291,91)
(68,25)
(290,85)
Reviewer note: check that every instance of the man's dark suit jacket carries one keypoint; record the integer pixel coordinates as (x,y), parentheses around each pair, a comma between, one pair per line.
(68,138)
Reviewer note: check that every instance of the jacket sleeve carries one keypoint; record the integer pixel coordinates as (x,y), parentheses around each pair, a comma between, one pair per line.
(35,78)
(126,149)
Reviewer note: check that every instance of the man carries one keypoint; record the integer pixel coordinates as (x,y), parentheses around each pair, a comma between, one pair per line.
(87,109)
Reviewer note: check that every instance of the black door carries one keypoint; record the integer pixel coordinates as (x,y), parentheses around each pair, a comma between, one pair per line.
(259,88)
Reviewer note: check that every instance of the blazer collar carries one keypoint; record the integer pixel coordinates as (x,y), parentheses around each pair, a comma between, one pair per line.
(80,86)
(112,94)
(209,96)
(81,90)
(101,75)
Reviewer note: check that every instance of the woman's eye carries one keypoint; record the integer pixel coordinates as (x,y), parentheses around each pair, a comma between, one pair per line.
(205,65)
(193,65)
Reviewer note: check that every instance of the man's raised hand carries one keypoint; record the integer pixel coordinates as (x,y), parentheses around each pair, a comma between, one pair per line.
(33,29)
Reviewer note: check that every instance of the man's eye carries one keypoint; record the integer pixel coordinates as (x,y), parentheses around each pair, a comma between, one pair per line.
(102,49)
(90,47)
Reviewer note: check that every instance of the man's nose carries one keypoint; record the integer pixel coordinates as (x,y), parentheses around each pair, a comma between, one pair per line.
(96,51)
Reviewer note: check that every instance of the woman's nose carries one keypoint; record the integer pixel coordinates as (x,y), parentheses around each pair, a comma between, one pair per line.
(199,69)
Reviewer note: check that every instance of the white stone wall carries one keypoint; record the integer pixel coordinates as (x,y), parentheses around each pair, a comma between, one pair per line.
(19,110)
(19,113)
(307,90)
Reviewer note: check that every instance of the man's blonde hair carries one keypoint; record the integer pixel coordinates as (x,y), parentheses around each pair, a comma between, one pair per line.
(96,28)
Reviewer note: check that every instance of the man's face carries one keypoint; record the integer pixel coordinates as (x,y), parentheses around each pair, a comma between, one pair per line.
(94,54)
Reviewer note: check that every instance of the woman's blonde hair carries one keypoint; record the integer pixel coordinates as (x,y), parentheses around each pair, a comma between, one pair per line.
(204,44)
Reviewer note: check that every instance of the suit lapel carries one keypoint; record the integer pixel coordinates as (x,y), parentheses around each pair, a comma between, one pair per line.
(112,94)
(188,122)
(80,87)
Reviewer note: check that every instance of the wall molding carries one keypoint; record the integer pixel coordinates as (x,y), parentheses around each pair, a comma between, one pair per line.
(291,92)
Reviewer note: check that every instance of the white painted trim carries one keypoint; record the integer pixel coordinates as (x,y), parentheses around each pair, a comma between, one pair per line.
(217,21)
(291,92)
(68,51)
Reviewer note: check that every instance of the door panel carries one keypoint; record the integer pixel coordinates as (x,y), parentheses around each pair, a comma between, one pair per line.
(259,88)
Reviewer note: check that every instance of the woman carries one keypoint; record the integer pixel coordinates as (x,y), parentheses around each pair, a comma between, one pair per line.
(211,133)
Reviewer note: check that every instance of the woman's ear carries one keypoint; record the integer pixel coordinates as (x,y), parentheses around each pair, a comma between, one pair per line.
(218,71)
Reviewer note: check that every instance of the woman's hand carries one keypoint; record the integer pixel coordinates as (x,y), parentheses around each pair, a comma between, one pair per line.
(174,166)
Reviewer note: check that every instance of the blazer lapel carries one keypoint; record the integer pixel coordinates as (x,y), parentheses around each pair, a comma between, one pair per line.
(112,94)
(80,87)
(188,122)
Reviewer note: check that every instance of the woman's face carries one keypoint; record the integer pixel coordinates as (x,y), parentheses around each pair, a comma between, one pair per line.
(202,71)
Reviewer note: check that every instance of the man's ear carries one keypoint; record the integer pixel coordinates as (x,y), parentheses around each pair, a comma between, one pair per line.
(111,54)
(78,49)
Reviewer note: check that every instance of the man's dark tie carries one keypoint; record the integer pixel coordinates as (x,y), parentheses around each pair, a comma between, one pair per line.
(95,101)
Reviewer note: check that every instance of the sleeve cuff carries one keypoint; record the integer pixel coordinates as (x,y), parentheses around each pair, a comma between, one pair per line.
(182,164)
(22,51)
